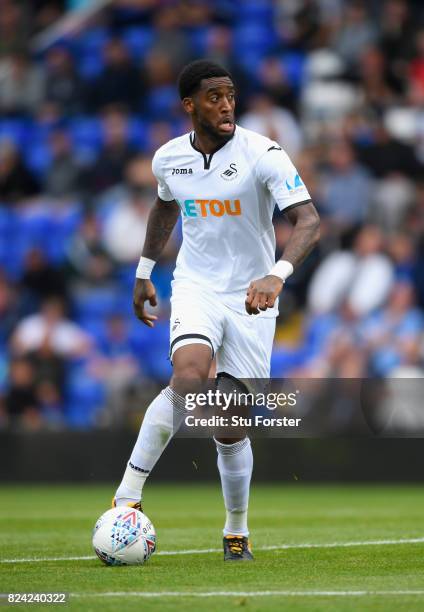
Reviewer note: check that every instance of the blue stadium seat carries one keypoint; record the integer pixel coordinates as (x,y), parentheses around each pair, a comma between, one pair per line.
(284,359)
(293,64)
(94,326)
(91,42)
(63,225)
(137,133)
(141,338)
(15,130)
(162,277)
(198,39)
(86,134)
(39,131)
(7,221)
(88,52)
(130,14)
(124,302)
(84,398)
(125,277)
(33,229)
(38,158)
(100,303)
(162,102)
(253,37)
(255,11)
(153,351)
(11,256)
(12,264)
(90,66)
(138,40)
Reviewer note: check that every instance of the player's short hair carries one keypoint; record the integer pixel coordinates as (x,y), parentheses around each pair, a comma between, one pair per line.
(191,76)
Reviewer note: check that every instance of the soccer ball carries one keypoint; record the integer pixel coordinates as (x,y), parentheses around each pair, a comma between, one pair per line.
(124,536)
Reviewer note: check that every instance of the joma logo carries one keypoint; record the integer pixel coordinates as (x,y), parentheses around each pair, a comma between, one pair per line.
(181,171)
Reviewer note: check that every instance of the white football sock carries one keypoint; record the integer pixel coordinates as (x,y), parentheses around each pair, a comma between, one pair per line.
(235,465)
(162,419)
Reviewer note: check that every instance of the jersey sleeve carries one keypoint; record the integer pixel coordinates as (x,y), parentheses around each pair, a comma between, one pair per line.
(276,171)
(163,190)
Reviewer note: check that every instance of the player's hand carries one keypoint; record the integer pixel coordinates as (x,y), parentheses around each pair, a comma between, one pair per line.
(144,291)
(262,293)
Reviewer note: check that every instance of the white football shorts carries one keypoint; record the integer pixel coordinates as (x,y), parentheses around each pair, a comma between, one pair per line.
(242,343)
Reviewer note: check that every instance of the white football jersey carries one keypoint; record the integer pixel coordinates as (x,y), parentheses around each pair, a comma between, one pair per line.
(227,199)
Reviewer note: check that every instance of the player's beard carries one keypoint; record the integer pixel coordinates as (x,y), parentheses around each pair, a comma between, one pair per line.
(212,132)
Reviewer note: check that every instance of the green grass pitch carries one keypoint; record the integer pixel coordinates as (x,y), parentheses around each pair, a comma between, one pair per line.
(45,522)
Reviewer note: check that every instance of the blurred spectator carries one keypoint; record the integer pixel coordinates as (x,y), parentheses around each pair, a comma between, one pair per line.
(22,86)
(63,176)
(88,262)
(108,170)
(17,183)
(159,69)
(119,81)
(342,355)
(9,312)
(276,123)
(125,226)
(331,346)
(169,39)
(20,400)
(49,373)
(386,155)
(346,277)
(65,337)
(306,26)
(275,82)
(117,366)
(326,97)
(417,65)
(162,99)
(346,190)
(414,222)
(63,85)
(220,49)
(393,197)
(402,250)
(49,366)
(356,32)
(393,334)
(158,134)
(47,12)
(379,88)
(397,35)
(194,13)
(14,27)
(40,280)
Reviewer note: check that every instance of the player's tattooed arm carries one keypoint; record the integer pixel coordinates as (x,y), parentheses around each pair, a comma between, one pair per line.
(162,220)
(305,234)
(262,293)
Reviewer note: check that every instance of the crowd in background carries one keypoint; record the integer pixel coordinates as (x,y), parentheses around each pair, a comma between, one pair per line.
(339,84)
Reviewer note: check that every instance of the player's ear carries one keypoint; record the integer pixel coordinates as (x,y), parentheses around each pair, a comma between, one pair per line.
(188,105)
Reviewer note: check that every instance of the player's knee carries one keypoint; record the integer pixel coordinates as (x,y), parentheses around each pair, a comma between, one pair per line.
(190,370)
(189,377)
(192,363)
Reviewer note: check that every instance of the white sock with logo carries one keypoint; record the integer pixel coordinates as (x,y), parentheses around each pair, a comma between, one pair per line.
(162,419)
(235,465)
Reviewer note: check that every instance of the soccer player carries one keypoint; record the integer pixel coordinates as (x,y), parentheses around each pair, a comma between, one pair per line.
(224,181)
